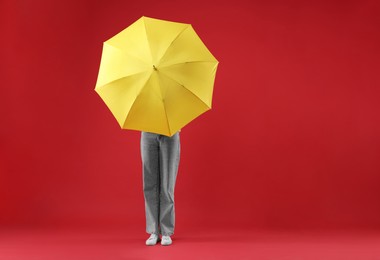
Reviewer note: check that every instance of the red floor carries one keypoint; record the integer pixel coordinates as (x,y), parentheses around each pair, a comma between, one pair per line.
(41,244)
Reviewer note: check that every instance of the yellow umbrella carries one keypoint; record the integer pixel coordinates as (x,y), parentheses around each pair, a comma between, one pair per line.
(156,76)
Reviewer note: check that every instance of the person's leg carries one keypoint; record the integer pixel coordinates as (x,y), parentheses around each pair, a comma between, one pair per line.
(169,161)
(151,180)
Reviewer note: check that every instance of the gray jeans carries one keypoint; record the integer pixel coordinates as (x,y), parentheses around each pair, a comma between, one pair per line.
(160,156)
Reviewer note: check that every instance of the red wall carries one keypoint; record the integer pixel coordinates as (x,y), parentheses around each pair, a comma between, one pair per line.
(292,140)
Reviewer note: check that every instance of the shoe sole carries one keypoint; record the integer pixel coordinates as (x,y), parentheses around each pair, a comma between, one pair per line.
(159,240)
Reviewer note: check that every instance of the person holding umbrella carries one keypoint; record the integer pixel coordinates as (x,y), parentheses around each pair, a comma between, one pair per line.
(160,156)
(156,76)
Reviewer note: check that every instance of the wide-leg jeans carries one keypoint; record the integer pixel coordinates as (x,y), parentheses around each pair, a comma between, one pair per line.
(160,156)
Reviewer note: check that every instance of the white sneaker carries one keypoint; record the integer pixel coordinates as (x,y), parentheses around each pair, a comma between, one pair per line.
(152,240)
(166,240)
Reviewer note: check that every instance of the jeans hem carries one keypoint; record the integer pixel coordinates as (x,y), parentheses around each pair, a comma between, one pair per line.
(167,234)
(160,233)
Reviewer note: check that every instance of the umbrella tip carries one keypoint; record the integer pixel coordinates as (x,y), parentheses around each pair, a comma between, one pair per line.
(154,67)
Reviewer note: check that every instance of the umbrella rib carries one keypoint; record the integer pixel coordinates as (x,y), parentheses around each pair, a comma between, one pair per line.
(134,101)
(126,52)
(185,62)
(147,40)
(167,120)
(113,81)
(179,34)
(185,89)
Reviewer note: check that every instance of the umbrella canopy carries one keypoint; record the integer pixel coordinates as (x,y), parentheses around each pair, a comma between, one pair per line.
(156,76)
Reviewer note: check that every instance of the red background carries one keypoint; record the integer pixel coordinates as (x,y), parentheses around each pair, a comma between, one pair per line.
(292,140)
